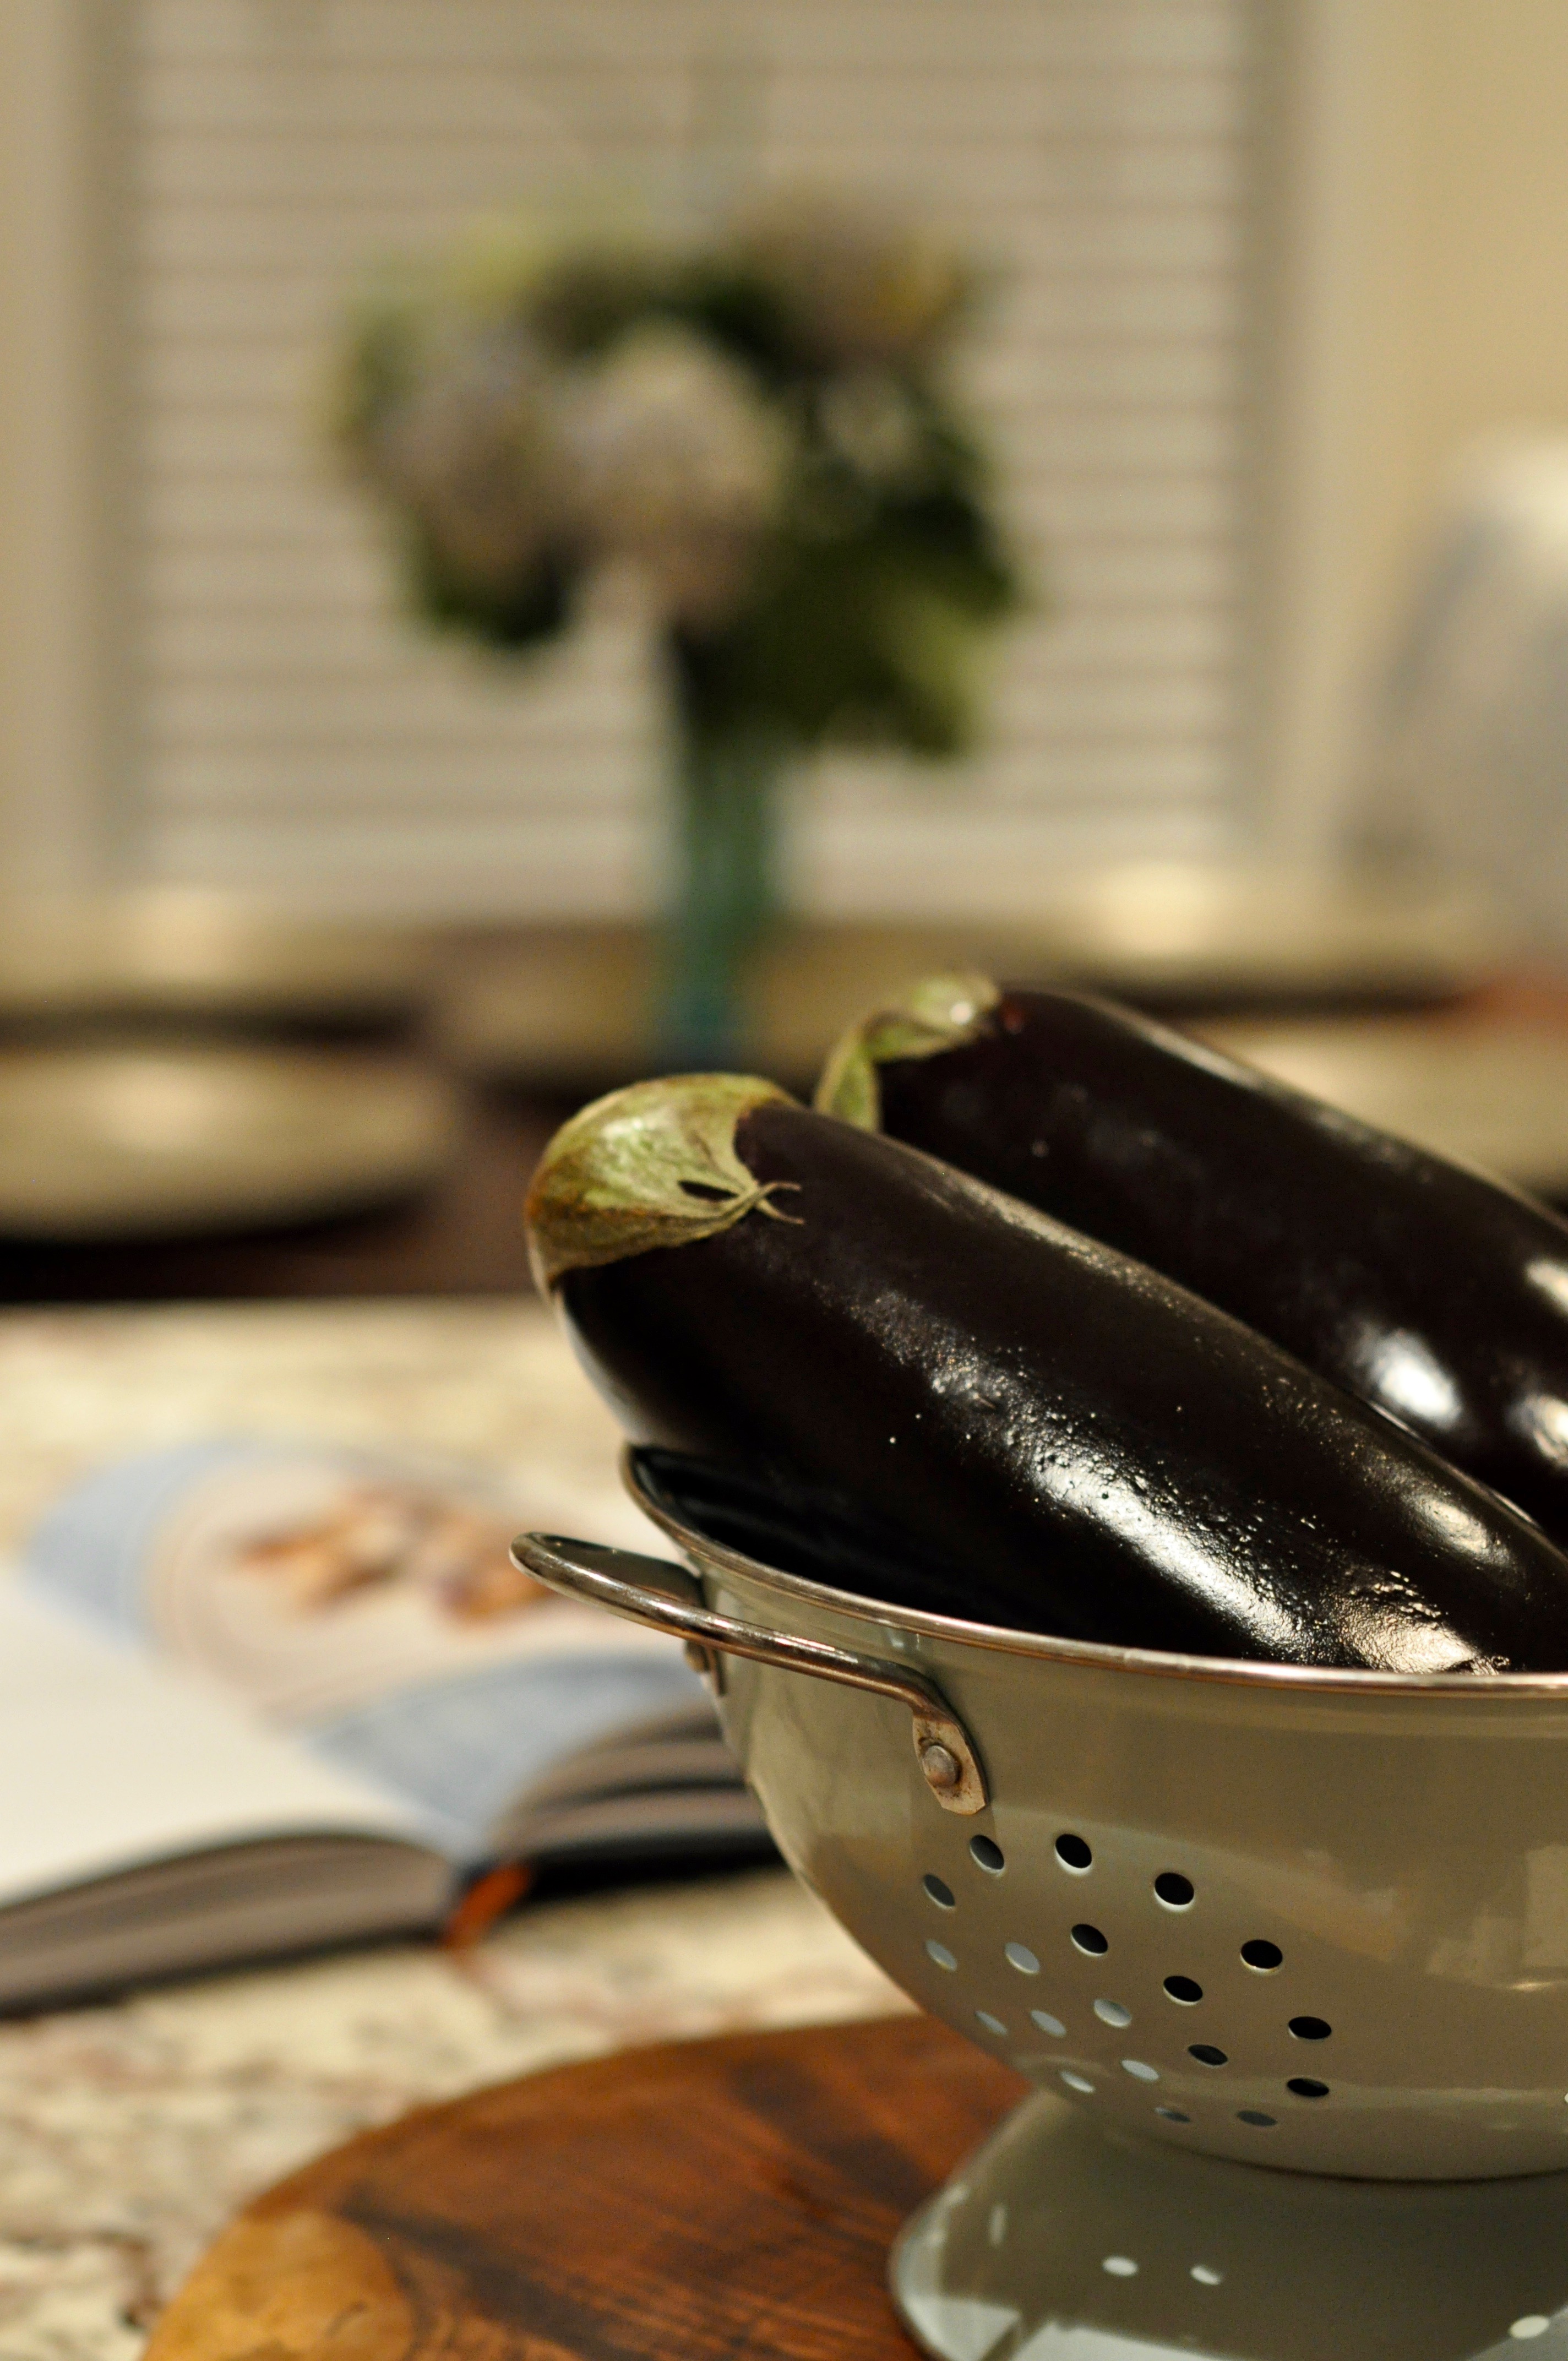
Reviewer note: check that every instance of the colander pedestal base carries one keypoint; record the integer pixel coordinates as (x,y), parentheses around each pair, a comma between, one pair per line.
(1059,2242)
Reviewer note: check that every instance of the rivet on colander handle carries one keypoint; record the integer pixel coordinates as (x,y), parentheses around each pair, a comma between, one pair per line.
(652,1590)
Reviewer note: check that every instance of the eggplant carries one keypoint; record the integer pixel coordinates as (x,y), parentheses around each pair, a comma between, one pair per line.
(1054,1436)
(1436,1294)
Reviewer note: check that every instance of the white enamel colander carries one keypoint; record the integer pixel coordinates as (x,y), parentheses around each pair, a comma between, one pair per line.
(1292,1918)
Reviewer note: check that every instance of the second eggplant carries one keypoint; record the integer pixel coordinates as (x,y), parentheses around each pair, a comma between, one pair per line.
(1051,1436)
(1433,1292)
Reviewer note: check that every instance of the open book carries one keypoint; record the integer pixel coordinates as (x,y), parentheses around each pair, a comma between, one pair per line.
(254,1698)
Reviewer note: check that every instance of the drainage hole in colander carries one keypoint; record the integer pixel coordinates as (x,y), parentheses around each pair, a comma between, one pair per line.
(1111,2012)
(1205,2053)
(1305,2088)
(992,2023)
(1256,2116)
(1074,1855)
(1265,1957)
(1139,2072)
(1183,1988)
(988,1855)
(1174,1890)
(940,1953)
(1173,2115)
(1088,1938)
(1019,1956)
(1310,2029)
(1076,2082)
(1048,2023)
(940,1892)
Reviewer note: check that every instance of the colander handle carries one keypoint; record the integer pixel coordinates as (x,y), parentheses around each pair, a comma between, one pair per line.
(652,1590)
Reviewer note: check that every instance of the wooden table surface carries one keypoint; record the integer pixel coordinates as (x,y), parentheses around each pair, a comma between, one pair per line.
(685,2203)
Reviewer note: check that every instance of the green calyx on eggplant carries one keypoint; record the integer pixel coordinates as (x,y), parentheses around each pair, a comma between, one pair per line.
(651,1166)
(1048,1434)
(938,1014)
(1434,1294)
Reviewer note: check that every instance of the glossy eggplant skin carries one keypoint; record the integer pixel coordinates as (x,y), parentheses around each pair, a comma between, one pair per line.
(1090,1449)
(1430,1292)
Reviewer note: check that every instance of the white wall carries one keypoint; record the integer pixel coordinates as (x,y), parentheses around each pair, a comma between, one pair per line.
(1432,313)
(53,544)
(1487,233)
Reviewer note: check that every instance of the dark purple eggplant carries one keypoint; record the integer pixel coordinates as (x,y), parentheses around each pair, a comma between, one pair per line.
(1068,1441)
(1432,1292)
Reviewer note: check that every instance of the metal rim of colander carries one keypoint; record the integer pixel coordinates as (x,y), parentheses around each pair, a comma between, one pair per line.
(1156,1662)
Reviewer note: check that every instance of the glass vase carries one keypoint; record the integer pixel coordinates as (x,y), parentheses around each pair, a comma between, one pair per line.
(723,892)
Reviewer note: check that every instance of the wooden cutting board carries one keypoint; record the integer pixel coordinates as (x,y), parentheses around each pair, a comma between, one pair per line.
(703,2200)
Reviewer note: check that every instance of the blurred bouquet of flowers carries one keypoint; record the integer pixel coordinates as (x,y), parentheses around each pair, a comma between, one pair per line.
(756,423)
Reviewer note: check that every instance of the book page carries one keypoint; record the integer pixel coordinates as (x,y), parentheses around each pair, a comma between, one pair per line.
(364,1603)
(315,1580)
(109,1759)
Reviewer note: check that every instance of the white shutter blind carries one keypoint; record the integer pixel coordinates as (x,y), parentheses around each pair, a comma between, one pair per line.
(297,732)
